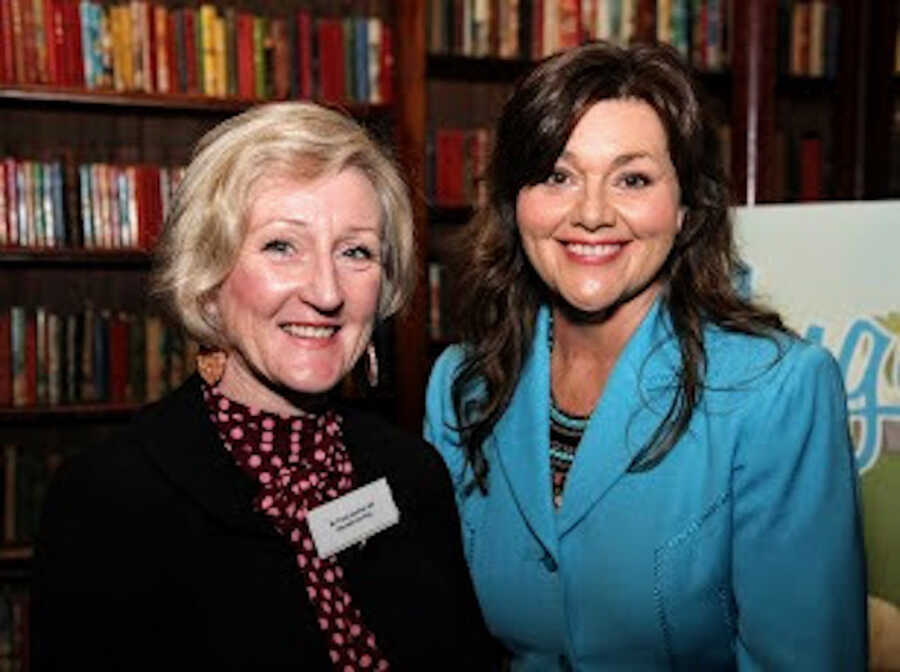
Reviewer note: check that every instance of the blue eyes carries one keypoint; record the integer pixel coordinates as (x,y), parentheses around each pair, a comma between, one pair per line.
(360,252)
(281,246)
(354,253)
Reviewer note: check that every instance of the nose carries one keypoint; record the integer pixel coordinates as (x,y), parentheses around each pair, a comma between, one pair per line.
(594,210)
(323,292)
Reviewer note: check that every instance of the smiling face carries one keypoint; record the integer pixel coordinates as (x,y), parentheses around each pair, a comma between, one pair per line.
(599,229)
(299,304)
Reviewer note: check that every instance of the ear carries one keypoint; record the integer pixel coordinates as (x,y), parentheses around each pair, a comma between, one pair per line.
(682,211)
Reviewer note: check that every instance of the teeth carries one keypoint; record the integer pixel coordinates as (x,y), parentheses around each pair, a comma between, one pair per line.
(592,250)
(309,332)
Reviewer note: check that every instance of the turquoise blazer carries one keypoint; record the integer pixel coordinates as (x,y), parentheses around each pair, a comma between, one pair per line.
(742,549)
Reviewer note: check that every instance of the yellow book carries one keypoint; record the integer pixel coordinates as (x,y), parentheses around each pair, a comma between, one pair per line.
(208,47)
(221,64)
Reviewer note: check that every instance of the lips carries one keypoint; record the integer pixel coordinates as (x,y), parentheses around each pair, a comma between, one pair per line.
(593,251)
(310,331)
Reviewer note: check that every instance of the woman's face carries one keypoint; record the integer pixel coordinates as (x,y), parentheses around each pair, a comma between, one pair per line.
(299,304)
(599,229)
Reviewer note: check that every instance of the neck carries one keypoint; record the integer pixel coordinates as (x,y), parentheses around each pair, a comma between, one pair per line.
(586,348)
(251,389)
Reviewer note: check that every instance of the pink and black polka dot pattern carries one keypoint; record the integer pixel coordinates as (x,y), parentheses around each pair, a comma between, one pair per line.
(301,462)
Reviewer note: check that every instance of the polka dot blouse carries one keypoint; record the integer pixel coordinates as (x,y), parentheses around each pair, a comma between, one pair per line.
(301,462)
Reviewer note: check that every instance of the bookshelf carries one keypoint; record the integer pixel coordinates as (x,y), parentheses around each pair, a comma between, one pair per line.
(812,130)
(53,112)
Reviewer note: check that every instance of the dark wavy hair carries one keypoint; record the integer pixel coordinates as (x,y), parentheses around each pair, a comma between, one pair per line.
(499,290)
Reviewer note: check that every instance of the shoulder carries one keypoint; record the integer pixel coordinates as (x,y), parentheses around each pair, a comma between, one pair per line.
(446,369)
(743,361)
(379,447)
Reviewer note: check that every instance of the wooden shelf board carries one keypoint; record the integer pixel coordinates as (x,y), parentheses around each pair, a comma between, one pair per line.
(27,415)
(176,102)
(23,256)
(470,69)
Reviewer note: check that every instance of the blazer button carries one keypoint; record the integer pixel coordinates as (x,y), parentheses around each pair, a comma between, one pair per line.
(549,563)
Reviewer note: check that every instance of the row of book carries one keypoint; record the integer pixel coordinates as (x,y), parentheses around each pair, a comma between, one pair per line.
(457,161)
(90,356)
(200,49)
(440,308)
(801,167)
(14,627)
(60,204)
(810,33)
(533,29)
(26,475)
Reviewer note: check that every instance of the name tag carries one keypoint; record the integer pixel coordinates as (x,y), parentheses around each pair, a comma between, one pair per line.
(352,518)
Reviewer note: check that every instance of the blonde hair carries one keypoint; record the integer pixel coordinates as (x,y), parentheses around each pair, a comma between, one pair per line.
(207,223)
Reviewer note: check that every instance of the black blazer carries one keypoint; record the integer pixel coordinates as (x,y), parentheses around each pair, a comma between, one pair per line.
(150,556)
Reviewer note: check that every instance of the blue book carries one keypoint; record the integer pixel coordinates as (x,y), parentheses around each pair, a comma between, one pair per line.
(361,58)
(56,197)
(87,207)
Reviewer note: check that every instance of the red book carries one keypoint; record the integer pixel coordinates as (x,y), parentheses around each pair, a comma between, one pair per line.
(172,51)
(281,56)
(72,30)
(811,169)
(537,30)
(386,64)
(7,60)
(246,72)
(30,358)
(29,43)
(450,167)
(59,66)
(151,81)
(304,53)
(190,49)
(569,23)
(118,357)
(331,59)
(5,358)
(18,39)
(50,57)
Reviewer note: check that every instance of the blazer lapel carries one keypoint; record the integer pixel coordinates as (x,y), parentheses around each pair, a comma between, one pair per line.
(522,440)
(635,399)
(184,444)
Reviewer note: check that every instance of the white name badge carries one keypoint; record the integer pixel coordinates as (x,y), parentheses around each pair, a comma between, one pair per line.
(352,518)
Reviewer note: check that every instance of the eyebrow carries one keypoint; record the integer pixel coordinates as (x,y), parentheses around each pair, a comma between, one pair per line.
(620,160)
(361,228)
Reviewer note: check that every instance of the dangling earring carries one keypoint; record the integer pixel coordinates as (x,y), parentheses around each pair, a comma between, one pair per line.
(372,365)
(211,365)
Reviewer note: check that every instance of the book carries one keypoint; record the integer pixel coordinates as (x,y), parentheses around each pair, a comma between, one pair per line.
(41,360)
(118,357)
(54,359)
(6,373)
(246,71)
(331,59)
(449,167)
(161,48)
(31,368)
(304,62)
(153,342)
(281,60)
(811,167)
(12,201)
(259,60)
(7,58)
(4,217)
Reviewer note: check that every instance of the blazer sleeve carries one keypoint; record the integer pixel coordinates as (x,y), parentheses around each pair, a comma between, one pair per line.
(798,561)
(440,417)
